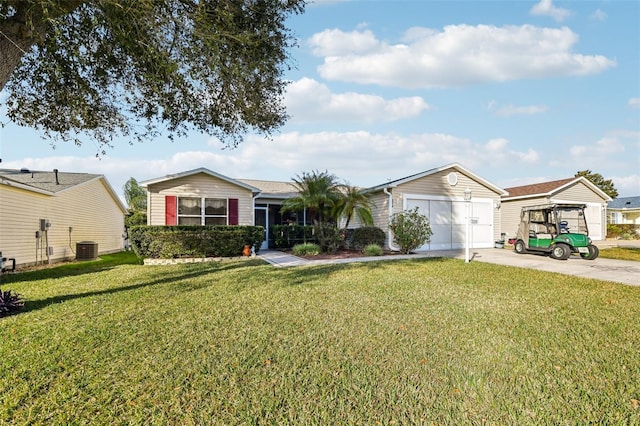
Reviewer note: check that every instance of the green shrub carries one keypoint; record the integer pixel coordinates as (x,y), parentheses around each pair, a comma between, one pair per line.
(359,238)
(164,242)
(306,249)
(373,250)
(328,237)
(410,230)
(10,303)
(135,219)
(623,231)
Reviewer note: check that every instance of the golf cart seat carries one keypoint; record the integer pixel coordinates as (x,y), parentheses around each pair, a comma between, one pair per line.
(542,231)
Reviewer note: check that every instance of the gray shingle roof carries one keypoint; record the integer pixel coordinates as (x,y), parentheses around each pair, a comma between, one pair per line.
(271,187)
(45,181)
(625,203)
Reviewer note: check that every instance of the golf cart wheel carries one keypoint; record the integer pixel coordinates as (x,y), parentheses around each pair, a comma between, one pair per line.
(519,247)
(593,252)
(560,252)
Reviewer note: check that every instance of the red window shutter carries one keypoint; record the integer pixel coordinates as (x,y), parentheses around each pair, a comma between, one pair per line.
(171,210)
(233,211)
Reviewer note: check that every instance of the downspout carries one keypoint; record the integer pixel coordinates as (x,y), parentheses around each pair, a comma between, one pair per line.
(253,206)
(266,231)
(389,232)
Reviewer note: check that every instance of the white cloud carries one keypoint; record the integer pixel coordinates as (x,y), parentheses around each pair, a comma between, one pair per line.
(546,8)
(598,15)
(627,186)
(310,101)
(510,110)
(456,56)
(335,42)
(634,102)
(603,156)
(360,157)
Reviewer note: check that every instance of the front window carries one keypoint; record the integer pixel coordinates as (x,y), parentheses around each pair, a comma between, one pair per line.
(202,211)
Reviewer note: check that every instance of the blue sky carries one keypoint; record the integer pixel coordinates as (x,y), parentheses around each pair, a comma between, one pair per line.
(518,92)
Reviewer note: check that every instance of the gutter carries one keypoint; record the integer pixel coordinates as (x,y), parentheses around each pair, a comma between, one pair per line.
(389,232)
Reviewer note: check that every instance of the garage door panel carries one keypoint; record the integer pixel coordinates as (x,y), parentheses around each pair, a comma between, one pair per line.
(440,212)
(422,205)
(448,223)
(594,221)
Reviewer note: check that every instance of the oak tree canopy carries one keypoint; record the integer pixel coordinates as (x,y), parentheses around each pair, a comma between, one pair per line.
(78,69)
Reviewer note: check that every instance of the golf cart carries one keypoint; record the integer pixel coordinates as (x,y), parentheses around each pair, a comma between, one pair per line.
(555,229)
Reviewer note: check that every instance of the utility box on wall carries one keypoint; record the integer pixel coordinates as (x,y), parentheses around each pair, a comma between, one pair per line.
(86,250)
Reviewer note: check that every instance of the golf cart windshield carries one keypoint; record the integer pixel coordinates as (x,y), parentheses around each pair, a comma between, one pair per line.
(571,220)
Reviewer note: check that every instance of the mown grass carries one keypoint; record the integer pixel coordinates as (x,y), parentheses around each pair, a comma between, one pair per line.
(241,342)
(622,253)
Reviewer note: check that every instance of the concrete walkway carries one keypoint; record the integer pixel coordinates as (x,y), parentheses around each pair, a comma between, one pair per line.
(621,271)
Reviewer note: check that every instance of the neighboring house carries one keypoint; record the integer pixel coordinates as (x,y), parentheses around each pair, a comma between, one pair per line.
(624,210)
(77,206)
(572,190)
(439,194)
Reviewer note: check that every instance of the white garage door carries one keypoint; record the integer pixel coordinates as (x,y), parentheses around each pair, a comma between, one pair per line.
(448,219)
(594,221)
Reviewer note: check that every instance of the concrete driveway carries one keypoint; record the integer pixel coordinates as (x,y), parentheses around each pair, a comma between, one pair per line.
(621,271)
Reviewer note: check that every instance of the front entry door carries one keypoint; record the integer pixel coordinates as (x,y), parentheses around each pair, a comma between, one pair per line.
(260,219)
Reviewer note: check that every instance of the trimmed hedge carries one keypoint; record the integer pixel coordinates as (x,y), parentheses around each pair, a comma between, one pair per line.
(359,238)
(167,242)
(287,236)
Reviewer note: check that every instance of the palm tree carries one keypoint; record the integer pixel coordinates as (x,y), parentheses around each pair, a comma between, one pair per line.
(317,191)
(354,203)
(135,195)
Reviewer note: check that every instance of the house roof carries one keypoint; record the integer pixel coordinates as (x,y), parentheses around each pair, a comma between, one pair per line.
(41,181)
(624,203)
(45,182)
(146,183)
(455,166)
(270,188)
(550,188)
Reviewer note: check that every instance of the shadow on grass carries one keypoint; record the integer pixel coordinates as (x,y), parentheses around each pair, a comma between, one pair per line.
(300,275)
(105,262)
(188,271)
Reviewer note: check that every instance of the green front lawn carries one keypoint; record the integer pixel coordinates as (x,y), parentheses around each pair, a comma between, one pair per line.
(622,253)
(242,342)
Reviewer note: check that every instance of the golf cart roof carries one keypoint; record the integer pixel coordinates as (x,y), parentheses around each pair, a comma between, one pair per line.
(553,206)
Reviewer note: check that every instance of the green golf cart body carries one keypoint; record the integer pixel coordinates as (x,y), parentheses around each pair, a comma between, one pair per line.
(558,230)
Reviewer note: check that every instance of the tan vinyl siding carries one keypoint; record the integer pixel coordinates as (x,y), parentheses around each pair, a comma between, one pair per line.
(198,185)
(579,193)
(437,184)
(89,209)
(510,212)
(380,212)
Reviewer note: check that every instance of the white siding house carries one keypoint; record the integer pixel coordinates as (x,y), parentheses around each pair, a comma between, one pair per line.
(77,206)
